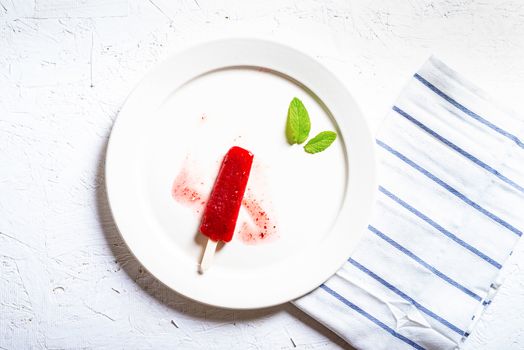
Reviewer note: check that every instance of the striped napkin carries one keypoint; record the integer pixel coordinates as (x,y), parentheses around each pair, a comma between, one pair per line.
(448,214)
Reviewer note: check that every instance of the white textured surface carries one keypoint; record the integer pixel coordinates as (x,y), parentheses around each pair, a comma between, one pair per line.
(66,279)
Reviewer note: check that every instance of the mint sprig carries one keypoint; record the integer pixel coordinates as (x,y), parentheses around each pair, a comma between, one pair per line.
(298,127)
(298,124)
(320,142)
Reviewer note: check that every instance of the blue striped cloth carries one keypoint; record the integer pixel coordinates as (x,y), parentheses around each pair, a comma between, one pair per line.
(448,214)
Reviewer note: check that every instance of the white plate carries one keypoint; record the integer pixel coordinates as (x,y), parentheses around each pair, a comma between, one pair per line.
(185,115)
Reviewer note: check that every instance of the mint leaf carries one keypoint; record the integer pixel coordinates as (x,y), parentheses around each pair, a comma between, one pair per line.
(298,123)
(320,142)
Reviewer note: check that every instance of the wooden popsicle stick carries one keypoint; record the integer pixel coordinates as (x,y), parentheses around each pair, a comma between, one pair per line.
(207,257)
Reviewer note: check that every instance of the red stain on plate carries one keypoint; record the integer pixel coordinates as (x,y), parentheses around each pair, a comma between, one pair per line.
(259,227)
(183,192)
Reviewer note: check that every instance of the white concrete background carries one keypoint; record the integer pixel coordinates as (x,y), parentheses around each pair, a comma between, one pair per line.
(66,279)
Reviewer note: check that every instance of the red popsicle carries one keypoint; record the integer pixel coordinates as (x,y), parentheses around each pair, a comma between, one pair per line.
(221,212)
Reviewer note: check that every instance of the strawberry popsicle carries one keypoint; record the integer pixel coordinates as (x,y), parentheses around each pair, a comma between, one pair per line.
(221,212)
